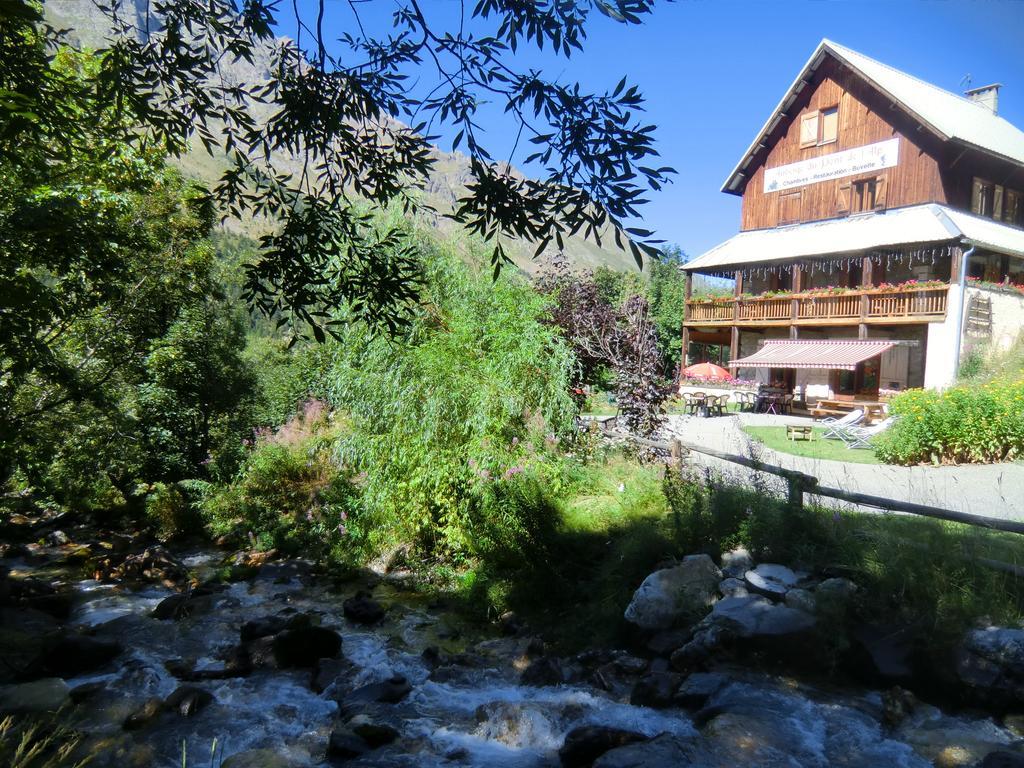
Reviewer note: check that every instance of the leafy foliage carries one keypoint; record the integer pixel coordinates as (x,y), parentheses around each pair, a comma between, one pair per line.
(966,424)
(623,339)
(163,80)
(474,392)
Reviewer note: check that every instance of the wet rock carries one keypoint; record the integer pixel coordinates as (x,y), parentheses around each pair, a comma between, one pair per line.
(733,587)
(663,642)
(706,642)
(38,595)
(57,538)
(329,672)
(260,653)
(186,700)
(510,623)
(772,580)
(181,606)
(883,652)
(991,663)
(1003,759)
(664,751)
(344,745)
(584,745)
(897,704)
(144,715)
(374,734)
(699,687)
(153,565)
(77,654)
(86,691)
(675,595)
(257,758)
(655,690)
(750,617)
(305,646)
(737,562)
(263,627)
(801,599)
(547,670)
(390,691)
(46,695)
(363,609)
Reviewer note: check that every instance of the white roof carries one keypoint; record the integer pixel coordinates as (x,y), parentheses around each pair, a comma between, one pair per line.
(948,115)
(929,223)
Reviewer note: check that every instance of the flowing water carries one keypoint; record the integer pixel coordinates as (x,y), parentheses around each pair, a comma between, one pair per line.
(475,714)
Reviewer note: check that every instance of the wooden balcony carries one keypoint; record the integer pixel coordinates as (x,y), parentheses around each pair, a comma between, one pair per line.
(869,306)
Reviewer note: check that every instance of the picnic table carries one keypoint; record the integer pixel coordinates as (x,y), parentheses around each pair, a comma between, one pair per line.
(873,411)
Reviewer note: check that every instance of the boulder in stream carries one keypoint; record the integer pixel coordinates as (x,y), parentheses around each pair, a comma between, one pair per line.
(664,751)
(186,700)
(990,662)
(754,616)
(390,691)
(74,655)
(305,646)
(46,695)
(676,595)
(585,744)
(257,758)
(657,689)
(363,609)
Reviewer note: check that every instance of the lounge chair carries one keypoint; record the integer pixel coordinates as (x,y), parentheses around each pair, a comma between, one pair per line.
(834,428)
(860,437)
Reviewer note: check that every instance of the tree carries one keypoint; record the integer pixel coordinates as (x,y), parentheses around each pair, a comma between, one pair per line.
(164,74)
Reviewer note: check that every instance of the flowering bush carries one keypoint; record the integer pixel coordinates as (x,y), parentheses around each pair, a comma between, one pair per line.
(704,381)
(839,290)
(910,285)
(965,424)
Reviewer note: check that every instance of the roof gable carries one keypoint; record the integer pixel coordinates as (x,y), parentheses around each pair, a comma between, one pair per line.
(947,115)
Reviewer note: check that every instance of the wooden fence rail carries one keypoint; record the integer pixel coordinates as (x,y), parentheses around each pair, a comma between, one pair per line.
(800,483)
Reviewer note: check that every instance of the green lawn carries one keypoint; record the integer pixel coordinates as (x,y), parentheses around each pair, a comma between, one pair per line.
(819,448)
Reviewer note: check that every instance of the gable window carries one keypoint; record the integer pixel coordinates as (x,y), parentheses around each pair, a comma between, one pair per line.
(829,125)
(790,207)
(819,127)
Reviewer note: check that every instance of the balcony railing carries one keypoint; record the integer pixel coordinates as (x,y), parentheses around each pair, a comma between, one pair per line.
(847,307)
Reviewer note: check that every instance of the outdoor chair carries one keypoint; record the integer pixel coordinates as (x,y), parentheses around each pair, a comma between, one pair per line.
(787,404)
(834,428)
(688,405)
(860,437)
(721,405)
(747,401)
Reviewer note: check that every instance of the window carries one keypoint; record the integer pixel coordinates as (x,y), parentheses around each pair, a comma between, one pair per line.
(868,194)
(994,201)
(819,127)
(829,125)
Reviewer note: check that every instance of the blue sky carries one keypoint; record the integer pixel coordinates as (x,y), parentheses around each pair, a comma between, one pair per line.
(712,71)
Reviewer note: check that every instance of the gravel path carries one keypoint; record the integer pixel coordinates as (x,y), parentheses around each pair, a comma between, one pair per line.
(992,490)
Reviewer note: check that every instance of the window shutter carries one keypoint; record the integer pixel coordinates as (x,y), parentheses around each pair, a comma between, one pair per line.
(843,198)
(881,183)
(809,130)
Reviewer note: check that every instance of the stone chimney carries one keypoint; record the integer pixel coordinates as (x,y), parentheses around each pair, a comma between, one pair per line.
(987,96)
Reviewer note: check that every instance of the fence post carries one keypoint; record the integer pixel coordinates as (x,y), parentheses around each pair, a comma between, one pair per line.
(796,493)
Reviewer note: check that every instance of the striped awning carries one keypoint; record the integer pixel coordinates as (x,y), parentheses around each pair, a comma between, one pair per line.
(814,353)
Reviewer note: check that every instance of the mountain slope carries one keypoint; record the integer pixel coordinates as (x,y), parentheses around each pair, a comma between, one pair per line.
(444,186)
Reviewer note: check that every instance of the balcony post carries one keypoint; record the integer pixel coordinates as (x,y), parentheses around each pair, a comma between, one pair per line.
(734,347)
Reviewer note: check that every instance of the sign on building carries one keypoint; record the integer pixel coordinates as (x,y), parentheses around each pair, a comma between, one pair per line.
(872,157)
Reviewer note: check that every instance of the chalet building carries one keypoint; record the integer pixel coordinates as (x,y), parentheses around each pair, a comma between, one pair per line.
(881,235)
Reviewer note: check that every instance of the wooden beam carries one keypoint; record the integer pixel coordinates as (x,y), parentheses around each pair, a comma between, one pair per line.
(734,347)
(954,268)
(867,270)
(739,282)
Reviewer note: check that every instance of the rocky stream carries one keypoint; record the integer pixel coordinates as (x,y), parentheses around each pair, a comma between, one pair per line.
(279,666)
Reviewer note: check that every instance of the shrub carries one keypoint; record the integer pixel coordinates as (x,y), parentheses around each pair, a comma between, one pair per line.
(474,391)
(965,424)
(289,494)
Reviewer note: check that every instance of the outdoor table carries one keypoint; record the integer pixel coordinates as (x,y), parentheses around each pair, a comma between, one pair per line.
(796,432)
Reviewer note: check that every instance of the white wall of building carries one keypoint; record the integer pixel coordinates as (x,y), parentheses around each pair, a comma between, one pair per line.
(940,364)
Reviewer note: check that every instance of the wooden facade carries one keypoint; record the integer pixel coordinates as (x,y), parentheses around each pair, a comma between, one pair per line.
(928,171)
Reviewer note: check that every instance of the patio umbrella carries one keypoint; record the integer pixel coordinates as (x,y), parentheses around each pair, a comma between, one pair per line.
(707,371)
